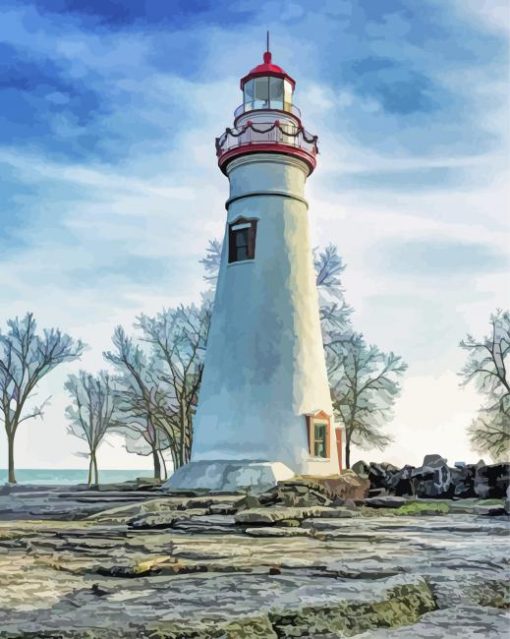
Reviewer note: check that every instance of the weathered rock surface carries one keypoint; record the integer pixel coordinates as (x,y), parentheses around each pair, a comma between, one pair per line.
(281,571)
(463,622)
(275,531)
(386,501)
(275,514)
(321,491)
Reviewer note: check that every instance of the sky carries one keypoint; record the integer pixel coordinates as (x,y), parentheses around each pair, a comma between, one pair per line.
(110,192)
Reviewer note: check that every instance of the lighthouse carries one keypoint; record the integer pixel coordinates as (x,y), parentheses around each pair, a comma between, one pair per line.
(264,411)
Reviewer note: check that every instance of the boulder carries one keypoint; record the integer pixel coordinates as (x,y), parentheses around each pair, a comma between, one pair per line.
(377,476)
(433,478)
(434,461)
(389,468)
(361,468)
(464,481)
(345,486)
(300,492)
(492,481)
(401,483)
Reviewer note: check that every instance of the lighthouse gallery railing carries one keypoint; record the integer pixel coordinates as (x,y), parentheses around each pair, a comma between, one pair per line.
(272,134)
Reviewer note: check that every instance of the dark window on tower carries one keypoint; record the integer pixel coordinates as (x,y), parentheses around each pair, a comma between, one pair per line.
(241,241)
(320,439)
(319,425)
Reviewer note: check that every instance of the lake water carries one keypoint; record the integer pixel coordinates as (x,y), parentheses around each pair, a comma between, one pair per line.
(51,476)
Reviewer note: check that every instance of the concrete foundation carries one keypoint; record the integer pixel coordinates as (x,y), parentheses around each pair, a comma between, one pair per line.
(229,475)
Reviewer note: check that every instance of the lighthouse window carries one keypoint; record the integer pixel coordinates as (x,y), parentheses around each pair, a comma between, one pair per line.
(320,439)
(287,92)
(249,96)
(267,93)
(242,240)
(319,427)
(276,93)
(261,93)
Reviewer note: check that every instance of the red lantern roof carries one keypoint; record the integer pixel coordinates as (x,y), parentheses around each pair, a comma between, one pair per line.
(267,69)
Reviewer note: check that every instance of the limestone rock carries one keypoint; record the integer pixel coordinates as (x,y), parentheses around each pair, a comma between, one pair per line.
(164,519)
(385,502)
(286,513)
(401,604)
(462,622)
(276,531)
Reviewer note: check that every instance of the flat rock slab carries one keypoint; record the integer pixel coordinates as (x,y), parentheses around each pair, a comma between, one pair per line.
(385,502)
(275,531)
(281,513)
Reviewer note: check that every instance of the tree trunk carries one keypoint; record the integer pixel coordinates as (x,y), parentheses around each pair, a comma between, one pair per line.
(10,444)
(175,456)
(163,464)
(182,458)
(347,452)
(157,464)
(93,474)
(96,474)
(89,478)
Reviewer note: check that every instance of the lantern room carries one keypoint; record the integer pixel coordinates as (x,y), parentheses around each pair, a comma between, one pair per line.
(267,86)
(267,121)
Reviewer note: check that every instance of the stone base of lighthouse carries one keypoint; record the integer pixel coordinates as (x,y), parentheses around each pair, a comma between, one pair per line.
(229,476)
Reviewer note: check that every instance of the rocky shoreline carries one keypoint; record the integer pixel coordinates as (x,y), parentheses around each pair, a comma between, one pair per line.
(306,559)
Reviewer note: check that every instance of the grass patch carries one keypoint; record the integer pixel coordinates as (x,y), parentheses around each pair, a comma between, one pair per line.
(423,508)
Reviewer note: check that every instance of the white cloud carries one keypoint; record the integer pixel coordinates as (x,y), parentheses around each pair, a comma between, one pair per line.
(493,15)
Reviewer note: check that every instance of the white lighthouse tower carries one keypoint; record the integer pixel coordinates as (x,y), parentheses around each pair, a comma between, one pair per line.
(264,409)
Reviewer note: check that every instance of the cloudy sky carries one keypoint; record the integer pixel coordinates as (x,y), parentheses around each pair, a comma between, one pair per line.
(110,190)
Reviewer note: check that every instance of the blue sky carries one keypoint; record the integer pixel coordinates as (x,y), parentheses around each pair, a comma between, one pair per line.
(110,190)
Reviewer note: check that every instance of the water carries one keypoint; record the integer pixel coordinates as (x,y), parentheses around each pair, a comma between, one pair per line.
(56,476)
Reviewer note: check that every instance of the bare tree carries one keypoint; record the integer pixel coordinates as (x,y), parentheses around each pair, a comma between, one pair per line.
(25,358)
(143,406)
(487,368)
(334,311)
(141,438)
(178,339)
(364,386)
(211,262)
(92,412)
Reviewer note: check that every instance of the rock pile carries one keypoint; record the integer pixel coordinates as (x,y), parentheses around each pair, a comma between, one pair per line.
(318,491)
(435,479)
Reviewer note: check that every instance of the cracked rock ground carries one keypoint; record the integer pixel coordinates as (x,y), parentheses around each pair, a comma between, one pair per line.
(206,567)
